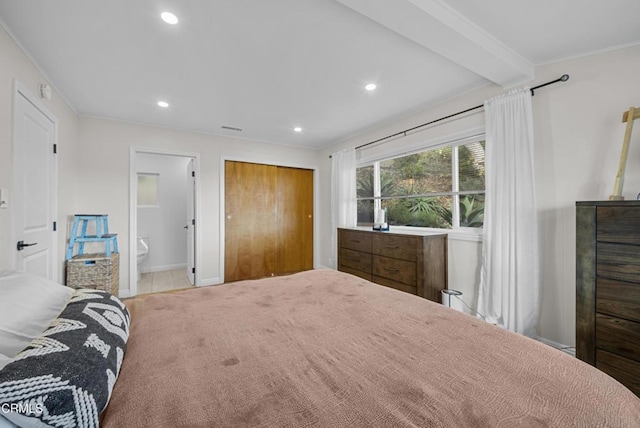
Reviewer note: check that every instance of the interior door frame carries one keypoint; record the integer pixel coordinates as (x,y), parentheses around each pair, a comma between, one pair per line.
(191,217)
(133,212)
(257,159)
(20,90)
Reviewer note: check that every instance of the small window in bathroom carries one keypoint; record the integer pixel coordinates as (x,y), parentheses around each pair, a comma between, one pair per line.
(148,189)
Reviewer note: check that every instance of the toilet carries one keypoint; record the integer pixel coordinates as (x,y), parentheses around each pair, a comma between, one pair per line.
(143,250)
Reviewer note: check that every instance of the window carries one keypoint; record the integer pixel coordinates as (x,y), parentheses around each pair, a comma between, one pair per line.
(148,189)
(441,187)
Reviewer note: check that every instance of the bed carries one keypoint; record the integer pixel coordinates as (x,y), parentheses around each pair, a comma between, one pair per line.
(327,349)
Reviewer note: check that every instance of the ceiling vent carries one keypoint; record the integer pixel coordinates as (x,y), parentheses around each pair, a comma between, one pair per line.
(231,128)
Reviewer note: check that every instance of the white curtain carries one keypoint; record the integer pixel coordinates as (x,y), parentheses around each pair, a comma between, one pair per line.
(509,280)
(343,196)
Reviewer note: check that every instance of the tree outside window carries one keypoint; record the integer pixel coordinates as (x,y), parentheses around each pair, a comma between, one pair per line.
(439,188)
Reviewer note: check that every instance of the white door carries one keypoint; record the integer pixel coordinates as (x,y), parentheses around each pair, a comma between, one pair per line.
(34,200)
(191,221)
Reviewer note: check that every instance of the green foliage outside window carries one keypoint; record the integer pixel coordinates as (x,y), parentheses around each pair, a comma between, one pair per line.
(417,189)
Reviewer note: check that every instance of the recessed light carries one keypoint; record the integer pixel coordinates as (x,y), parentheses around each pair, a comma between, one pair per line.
(169,18)
(163,104)
(297,129)
(370,87)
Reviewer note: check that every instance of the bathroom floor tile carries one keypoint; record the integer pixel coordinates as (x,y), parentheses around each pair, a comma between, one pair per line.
(145,284)
(164,275)
(155,282)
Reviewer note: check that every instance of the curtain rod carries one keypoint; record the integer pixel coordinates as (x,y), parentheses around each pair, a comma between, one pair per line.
(562,78)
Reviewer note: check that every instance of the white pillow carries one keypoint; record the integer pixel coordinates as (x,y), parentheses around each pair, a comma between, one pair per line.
(4,423)
(28,304)
(4,360)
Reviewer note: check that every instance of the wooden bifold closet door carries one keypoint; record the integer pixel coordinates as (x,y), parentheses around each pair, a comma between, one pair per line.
(268,220)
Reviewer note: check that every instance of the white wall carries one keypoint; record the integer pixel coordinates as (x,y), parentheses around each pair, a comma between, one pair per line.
(163,225)
(578,133)
(578,140)
(16,65)
(105,152)
(579,136)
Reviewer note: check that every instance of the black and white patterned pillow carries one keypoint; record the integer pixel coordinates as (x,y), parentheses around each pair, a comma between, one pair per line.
(64,378)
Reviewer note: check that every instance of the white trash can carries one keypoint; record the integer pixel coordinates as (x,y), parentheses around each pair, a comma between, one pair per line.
(452,299)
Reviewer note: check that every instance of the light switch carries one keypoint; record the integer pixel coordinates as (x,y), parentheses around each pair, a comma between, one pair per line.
(4,198)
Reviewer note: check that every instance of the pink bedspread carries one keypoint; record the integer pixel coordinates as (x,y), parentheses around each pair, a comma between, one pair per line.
(327,349)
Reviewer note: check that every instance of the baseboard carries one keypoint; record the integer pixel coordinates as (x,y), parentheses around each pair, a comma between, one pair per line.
(209,281)
(163,268)
(323,267)
(571,350)
(124,293)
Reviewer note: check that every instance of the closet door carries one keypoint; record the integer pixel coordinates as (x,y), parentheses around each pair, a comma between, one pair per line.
(294,219)
(250,223)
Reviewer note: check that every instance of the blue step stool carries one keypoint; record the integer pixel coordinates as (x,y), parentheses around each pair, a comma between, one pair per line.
(102,234)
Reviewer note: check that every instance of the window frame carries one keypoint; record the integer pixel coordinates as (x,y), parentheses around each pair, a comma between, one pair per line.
(456,231)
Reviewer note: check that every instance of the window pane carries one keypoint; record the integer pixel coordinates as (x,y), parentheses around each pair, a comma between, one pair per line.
(147,189)
(365,212)
(472,210)
(419,212)
(420,173)
(364,181)
(471,166)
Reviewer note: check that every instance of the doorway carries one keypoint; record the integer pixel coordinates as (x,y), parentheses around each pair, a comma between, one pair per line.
(35,186)
(164,224)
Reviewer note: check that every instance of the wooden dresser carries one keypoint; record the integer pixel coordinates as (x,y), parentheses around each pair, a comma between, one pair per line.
(608,288)
(414,263)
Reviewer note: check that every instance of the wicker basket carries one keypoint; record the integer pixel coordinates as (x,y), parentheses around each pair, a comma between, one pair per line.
(94,271)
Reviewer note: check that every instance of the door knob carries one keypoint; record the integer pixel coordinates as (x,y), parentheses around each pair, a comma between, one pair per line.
(186,227)
(20,246)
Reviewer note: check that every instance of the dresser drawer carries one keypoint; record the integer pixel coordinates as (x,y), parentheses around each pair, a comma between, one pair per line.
(399,247)
(397,270)
(624,370)
(618,336)
(414,263)
(356,272)
(619,299)
(618,261)
(354,240)
(355,260)
(395,284)
(618,224)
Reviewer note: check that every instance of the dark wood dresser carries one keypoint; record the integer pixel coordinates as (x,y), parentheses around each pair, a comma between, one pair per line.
(608,288)
(414,263)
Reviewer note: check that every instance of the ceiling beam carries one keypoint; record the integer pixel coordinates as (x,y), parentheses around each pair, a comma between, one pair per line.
(441,29)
